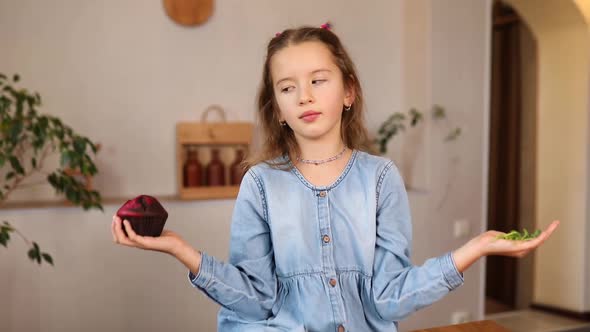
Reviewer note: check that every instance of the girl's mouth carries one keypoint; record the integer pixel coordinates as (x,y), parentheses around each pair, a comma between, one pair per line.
(310,116)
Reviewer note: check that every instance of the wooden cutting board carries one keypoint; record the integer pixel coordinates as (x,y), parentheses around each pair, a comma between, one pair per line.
(189,12)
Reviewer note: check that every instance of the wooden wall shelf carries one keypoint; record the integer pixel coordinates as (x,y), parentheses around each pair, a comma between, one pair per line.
(216,192)
(211,138)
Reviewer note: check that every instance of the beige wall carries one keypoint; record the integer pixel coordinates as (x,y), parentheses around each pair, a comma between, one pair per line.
(457,172)
(584,7)
(562,150)
(124,74)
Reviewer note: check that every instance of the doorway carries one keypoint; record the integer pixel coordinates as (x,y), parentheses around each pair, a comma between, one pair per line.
(511,177)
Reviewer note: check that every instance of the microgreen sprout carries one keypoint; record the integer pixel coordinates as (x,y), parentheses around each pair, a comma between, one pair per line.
(517,236)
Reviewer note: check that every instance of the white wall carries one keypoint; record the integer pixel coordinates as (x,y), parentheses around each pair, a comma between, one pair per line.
(124,74)
(445,57)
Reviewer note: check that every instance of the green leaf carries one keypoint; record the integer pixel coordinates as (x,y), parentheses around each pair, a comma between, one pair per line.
(4,237)
(415,117)
(15,163)
(453,135)
(6,228)
(438,112)
(47,258)
(79,144)
(32,254)
(93,146)
(66,158)
(16,127)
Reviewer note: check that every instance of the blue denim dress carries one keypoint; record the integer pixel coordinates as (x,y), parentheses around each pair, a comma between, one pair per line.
(332,258)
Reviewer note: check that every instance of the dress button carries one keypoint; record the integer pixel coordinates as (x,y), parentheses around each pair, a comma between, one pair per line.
(326,239)
(333,282)
(340,328)
(322,194)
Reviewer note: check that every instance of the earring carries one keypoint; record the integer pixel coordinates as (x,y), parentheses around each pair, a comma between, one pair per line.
(347,108)
(283,123)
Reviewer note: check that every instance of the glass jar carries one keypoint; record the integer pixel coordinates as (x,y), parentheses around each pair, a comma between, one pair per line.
(192,169)
(215,170)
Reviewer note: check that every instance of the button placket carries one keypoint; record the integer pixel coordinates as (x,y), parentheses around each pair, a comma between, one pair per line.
(325,228)
(327,248)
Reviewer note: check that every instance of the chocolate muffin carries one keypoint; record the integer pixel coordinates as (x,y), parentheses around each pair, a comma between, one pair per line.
(146,215)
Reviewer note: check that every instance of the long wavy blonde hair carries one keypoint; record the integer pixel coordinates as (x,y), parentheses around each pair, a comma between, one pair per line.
(279,140)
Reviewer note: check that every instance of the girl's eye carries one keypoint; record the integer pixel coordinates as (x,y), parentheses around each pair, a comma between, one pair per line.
(316,82)
(287,89)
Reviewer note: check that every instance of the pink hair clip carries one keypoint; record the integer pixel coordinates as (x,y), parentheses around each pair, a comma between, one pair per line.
(278,34)
(327,26)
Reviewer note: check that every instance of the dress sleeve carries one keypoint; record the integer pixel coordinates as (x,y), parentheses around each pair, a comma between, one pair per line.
(399,288)
(246,284)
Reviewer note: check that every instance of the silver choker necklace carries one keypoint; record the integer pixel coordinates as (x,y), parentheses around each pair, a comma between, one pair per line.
(322,161)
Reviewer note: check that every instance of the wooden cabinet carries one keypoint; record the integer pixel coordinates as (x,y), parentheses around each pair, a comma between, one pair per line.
(227,137)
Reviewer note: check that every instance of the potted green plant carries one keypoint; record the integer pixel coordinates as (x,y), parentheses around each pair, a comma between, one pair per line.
(397,123)
(27,138)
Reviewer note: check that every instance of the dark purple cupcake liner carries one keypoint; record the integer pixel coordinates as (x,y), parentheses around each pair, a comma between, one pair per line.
(146,226)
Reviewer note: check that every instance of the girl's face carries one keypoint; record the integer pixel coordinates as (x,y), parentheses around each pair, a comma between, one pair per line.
(309,90)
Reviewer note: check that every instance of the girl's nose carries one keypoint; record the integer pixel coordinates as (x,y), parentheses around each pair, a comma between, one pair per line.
(305,97)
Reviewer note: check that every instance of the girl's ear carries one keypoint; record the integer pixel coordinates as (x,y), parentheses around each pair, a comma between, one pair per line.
(349,93)
(281,118)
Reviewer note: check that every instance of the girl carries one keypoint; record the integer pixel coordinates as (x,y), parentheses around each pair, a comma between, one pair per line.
(321,230)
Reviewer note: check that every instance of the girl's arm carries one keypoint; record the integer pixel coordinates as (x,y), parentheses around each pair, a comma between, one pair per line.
(398,287)
(246,284)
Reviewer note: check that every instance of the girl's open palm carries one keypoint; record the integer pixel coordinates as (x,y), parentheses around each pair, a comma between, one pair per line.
(167,242)
(492,245)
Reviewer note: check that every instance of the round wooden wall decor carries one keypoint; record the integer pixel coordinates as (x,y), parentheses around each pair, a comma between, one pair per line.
(189,12)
